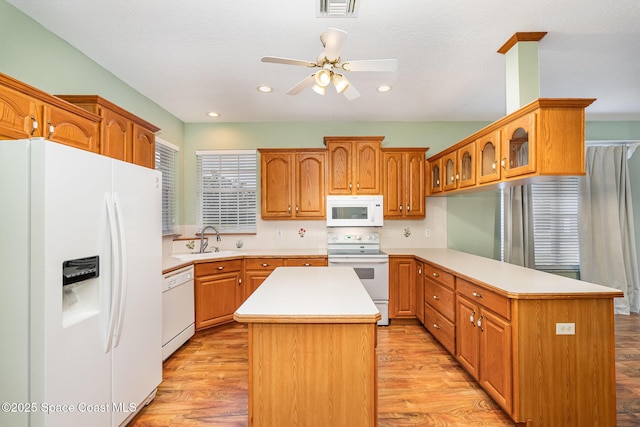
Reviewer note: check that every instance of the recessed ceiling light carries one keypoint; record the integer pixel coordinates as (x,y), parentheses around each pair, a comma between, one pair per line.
(264,89)
(384,88)
(213,114)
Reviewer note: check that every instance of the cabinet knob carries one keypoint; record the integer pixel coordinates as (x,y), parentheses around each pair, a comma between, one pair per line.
(52,128)
(400,208)
(220,268)
(475,294)
(350,186)
(306,264)
(480,323)
(436,297)
(289,208)
(34,125)
(408,208)
(472,317)
(436,275)
(503,163)
(419,271)
(358,186)
(296,208)
(264,264)
(436,326)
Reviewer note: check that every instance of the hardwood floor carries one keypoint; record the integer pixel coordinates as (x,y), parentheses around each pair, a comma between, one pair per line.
(420,384)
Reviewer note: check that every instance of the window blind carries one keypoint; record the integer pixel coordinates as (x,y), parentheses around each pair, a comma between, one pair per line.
(227,190)
(167,163)
(555,224)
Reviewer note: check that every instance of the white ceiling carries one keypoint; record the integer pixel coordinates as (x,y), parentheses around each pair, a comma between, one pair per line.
(195,56)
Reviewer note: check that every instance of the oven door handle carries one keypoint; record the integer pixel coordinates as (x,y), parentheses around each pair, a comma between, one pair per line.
(358,260)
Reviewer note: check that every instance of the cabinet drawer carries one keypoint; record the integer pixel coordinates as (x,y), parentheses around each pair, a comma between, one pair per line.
(440,327)
(440,298)
(216,267)
(482,296)
(262,263)
(305,262)
(439,275)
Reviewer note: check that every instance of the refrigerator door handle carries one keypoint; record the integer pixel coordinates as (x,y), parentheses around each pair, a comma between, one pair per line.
(115,272)
(123,269)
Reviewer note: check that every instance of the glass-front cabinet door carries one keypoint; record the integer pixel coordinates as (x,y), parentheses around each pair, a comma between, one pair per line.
(489,157)
(450,173)
(435,176)
(466,165)
(518,145)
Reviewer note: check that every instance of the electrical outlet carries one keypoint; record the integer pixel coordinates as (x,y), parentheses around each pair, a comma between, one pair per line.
(427,232)
(279,233)
(565,328)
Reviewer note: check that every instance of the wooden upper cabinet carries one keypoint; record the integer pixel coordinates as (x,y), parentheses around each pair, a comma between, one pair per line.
(292,184)
(518,145)
(144,146)
(403,182)
(123,136)
(70,129)
(18,115)
(27,112)
(488,154)
(354,164)
(467,165)
(450,168)
(310,199)
(435,176)
(543,138)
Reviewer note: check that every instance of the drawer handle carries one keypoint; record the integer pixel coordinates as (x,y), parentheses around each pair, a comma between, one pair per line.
(436,326)
(264,264)
(475,294)
(220,268)
(306,264)
(436,297)
(436,275)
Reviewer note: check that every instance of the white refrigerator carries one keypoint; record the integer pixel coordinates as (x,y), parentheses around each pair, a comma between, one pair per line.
(80,286)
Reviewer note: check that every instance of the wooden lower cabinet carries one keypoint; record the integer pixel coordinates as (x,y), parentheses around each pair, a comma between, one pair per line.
(218,292)
(256,270)
(402,287)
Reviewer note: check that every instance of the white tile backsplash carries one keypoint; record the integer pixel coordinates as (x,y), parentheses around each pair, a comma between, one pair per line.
(284,234)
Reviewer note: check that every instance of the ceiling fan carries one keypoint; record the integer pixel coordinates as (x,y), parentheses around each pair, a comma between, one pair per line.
(331,66)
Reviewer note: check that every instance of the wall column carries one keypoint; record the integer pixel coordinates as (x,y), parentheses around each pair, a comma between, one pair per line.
(523,70)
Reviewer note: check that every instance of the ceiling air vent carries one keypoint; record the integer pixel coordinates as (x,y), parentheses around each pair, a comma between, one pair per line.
(337,8)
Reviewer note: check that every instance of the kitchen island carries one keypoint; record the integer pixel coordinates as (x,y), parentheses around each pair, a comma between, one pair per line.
(312,349)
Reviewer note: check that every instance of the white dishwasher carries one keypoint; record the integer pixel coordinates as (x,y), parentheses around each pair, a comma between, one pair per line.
(178,309)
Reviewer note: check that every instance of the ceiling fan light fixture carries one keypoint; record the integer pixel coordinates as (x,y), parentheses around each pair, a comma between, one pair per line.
(320,90)
(340,82)
(323,78)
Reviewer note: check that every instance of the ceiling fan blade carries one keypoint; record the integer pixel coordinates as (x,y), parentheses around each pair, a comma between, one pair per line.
(307,82)
(288,61)
(371,65)
(351,93)
(333,40)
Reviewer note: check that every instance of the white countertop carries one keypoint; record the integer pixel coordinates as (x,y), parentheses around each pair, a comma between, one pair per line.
(309,295)
(513,280)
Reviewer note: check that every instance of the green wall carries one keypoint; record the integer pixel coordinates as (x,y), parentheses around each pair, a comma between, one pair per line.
(32,54)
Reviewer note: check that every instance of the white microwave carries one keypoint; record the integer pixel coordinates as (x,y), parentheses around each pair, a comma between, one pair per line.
(354,211)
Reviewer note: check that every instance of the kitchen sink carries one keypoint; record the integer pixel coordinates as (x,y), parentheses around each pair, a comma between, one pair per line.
(206,255)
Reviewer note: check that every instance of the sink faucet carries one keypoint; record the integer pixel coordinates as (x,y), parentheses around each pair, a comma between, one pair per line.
(203,244)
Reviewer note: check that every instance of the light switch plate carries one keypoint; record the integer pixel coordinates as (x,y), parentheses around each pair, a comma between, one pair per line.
(565,328)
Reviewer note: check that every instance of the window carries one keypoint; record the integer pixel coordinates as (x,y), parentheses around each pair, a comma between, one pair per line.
(167,163)
(227,190)
(555,224)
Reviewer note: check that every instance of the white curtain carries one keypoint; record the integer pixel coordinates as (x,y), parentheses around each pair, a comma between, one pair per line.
(607,237)
(518,226)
